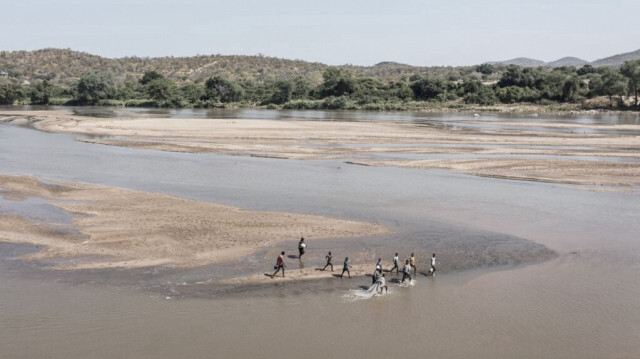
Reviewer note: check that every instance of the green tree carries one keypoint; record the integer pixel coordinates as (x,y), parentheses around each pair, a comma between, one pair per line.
(302,88)
(485,69)
(150,76)
(131,90)
(586,69)
(570,89)
(427,88)
(163,91)
(401,90)
(510,94)
(40,93)
(551,85)
(9,92)
(193,93)
(223,90)
(631,70)
(611,83)
(474,91)
(282,91)
(94,86)
(369,90)
(337,82)
(512,77)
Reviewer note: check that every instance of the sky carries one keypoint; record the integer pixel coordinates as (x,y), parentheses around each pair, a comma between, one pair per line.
(333,32)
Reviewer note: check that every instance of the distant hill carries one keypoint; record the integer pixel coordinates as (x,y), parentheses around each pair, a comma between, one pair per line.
(521,61)
(612,61)
(568,61)
(617,60)
(64,67)
(389,63)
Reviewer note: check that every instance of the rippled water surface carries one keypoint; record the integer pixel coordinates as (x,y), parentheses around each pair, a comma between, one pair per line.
(526,270)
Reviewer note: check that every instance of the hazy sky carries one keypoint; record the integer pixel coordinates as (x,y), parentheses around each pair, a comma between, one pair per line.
(335,32)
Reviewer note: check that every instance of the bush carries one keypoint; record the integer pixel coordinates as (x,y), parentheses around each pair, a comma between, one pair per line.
(60,101)
(385,106)
(338,103)
(485,98)
(303,105)
(139,103)
(510,94)
(110,102)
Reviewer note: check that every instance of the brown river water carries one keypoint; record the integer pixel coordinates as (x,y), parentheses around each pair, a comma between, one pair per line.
(525,270)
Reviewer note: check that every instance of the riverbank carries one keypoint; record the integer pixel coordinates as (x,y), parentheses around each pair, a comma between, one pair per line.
(535,150)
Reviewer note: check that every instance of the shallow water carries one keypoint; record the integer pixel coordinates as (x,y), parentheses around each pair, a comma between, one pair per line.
(494,295)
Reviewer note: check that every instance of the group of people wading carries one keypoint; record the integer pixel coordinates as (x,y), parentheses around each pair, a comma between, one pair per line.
(378,277)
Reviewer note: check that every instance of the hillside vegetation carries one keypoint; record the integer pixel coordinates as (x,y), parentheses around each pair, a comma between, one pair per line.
(62,76)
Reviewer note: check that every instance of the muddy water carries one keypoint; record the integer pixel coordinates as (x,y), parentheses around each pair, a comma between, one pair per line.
(525,269)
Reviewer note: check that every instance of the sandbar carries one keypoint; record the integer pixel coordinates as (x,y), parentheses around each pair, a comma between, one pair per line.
(557,153)
(122,228)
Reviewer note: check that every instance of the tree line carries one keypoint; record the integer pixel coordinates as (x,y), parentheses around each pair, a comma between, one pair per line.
(340,88)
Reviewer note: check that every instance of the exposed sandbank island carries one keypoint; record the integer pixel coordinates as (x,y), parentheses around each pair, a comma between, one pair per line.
(534,151)
(115,227)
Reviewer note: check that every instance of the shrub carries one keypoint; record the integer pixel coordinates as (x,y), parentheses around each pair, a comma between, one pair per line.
(338,103)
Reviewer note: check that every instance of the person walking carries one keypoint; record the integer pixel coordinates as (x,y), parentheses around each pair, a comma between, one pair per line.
(329,257)
(406,271)
(377,271)
(279,265)
(395,264)
(375,276)
(432,270)
(412,262)
(345,267)
(301,247)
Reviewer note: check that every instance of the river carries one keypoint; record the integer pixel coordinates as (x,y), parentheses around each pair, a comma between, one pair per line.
(527,270)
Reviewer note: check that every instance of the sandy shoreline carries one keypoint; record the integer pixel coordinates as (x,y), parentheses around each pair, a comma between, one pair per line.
(115,227)
(542,155)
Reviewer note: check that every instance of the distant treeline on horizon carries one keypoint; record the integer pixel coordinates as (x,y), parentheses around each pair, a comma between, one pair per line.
(65,77)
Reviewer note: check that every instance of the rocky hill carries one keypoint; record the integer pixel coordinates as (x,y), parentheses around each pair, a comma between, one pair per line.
(64,67)
(612,61)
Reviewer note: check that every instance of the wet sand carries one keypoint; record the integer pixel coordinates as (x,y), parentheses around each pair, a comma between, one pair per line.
(116,227)
(554,153)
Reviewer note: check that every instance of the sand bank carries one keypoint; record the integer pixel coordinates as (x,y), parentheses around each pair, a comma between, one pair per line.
(559,148)
(540,170)
(310,273)
(115,227)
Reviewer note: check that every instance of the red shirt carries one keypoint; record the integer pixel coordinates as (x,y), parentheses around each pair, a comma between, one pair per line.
(280,260)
